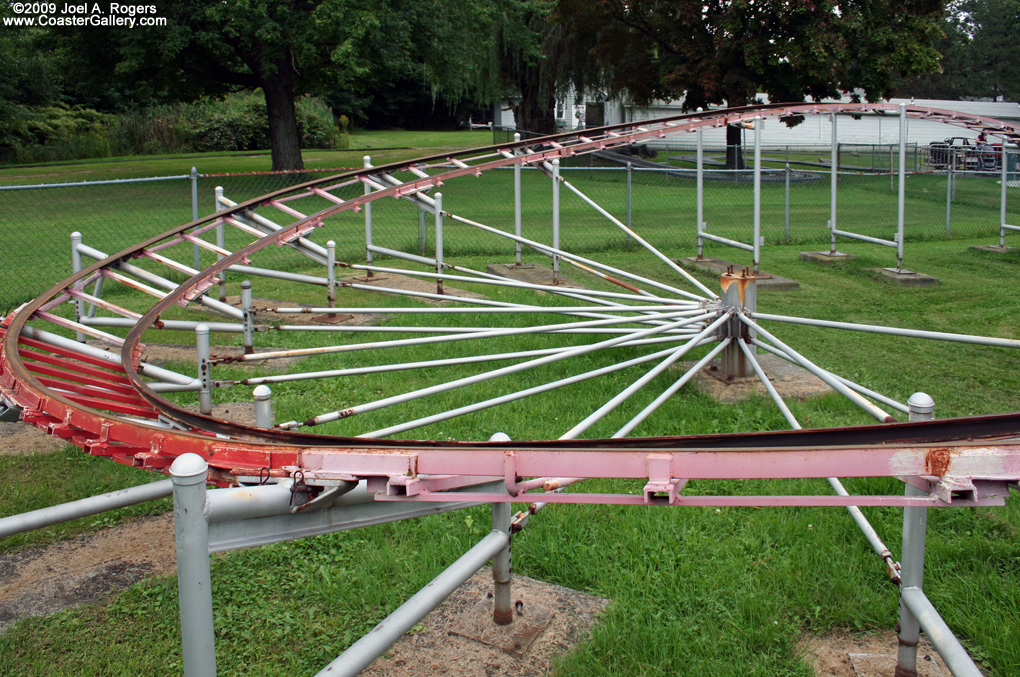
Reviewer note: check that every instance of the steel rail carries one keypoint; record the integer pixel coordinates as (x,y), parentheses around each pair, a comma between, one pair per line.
(153,446)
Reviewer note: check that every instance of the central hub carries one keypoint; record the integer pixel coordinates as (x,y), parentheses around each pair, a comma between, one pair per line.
(739,293)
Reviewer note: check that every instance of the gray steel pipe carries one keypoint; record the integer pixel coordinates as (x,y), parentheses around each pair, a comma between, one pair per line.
(956,657)
(93,505)
(361,654)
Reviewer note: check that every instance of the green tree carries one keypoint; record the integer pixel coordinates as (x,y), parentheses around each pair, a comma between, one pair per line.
(716,51)
(286,48)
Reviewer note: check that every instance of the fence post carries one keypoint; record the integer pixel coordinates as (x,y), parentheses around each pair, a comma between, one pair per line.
(630,171)
(758,124)
(915,523)
(556,217)
(901,199)
(194,579)
(949,198)
(787,221)
(221,243)
(331,273)
(421,231)
(1004,180)
(502,563)
(833,188)
(249,329)
(701,192)
(439,242)
(194,210)
(367,161)
(517,205)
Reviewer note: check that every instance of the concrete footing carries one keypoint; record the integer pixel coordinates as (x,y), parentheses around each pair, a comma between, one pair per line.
(906,278)
(532,273)
(765,281)
(825,257)
(992,248)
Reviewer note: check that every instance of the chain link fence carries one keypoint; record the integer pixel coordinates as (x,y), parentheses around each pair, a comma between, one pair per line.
(659,203)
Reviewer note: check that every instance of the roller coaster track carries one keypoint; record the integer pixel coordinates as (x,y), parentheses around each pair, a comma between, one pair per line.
(112,403)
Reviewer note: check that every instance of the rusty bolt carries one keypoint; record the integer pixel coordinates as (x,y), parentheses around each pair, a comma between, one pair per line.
(519,605)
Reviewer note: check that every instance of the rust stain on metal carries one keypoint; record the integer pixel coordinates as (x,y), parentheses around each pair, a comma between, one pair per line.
(741,279)
(937,460)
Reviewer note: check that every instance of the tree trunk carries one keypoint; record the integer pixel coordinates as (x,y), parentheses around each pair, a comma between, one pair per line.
(734,151)
(283,130)
(536,111)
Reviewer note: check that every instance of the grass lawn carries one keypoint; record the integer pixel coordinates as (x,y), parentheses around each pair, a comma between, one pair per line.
(718,592)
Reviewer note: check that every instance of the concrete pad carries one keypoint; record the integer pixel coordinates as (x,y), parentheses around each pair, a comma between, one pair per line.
(992,248)
(880,665)
(906,278)
(790,380)
(766,281)
(532,273)
(825,257)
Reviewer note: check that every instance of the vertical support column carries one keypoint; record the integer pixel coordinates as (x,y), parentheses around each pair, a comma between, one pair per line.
(949,198)
(902,197)
(630,172)
(502,569)
(1002,197)
(701,192)
(833,185)
(787,221)
(331,273)
(915,524)
(204,377)
(421,231)
(556,217)
(221,243)
(758,124)
(194,210)
(264,417)
(740,291)
(439,242)
(517,205)
(367,161)
(79,304)
(194,580)
(246,308)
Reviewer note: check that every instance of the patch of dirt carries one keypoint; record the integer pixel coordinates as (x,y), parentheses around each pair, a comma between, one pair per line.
(432,649)
(17,437)
(85,569)
(872,655)
(790,380)
(407,283)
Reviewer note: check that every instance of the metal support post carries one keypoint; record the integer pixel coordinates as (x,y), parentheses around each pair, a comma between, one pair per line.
(915,522)
(739,292)
(439,242)
(367,160)
(901,200)
(833,185)
(1004,179)
(630,171)
(204,367)
(421,231)
(502,562)
(76,266)
(331,273)
(221,243)
(787,221)
(701,193)
(194,210)
(264,417)
(556,218)
(949,198)
(758,124)
(517,206)
(194,580)
(249,325)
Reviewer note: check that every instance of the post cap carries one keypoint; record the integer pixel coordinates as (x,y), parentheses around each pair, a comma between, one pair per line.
(189,466)
(499,437)
(921,403)
(262,392)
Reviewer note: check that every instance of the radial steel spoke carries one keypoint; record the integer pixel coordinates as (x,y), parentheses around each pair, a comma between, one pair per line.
(867,392)
(503,399)
(894,331)
(773,393)
(669,392)
(871,409)
(471,380)
(626,393)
